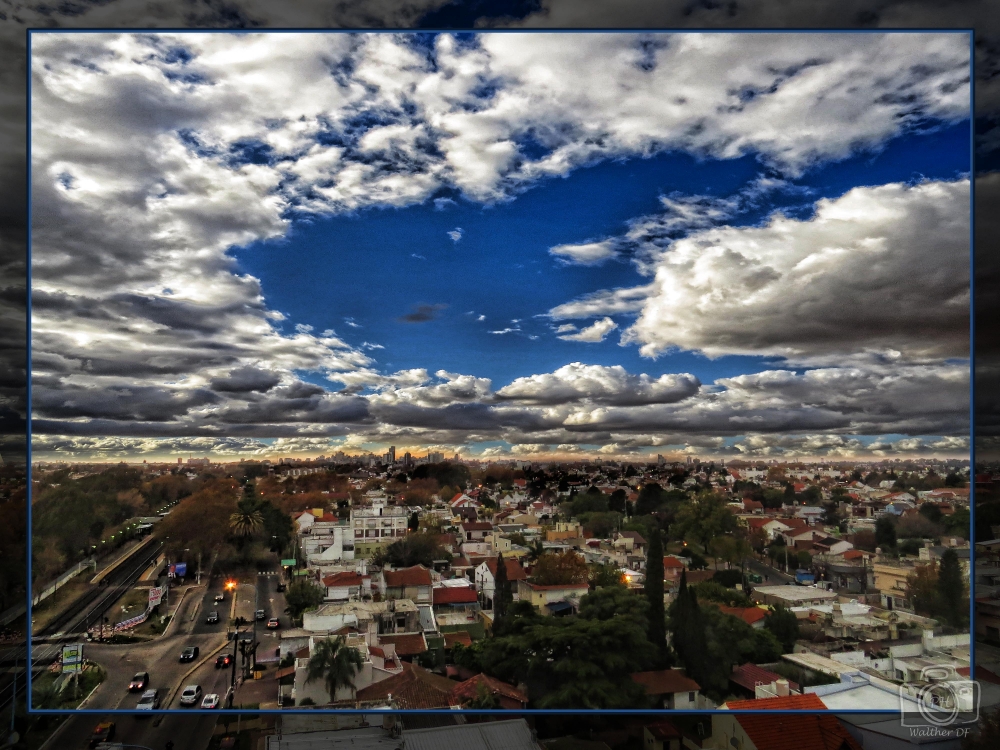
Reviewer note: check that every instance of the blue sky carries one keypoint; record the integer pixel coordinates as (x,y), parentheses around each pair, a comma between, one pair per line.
(547,245)
(360,274)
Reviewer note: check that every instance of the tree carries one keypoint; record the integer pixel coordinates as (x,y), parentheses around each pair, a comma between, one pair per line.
(952,589)
(412,549)
(885,533)
(954,480)
(652,588)
(301,595)
(247,521)
(831,513)
(651,497)
(688,627)
(483,699)
(560,568)
(335,663)
(931,512)
(502,596)
(804,559)
(604,574)
(784,625)
(617,501)
(923,590)
(703,519)
(414,523)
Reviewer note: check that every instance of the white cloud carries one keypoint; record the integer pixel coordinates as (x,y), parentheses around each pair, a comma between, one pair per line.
(574,382)
(589,254)
(593,333)
(455,234)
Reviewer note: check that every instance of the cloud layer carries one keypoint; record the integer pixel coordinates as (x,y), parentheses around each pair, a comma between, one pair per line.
(155,154)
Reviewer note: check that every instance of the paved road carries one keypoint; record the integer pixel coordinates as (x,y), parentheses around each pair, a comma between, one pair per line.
(774,577)
(188,731)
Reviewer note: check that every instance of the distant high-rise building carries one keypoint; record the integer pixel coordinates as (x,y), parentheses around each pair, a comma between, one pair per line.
(407,459)
(392,454)
(660,460)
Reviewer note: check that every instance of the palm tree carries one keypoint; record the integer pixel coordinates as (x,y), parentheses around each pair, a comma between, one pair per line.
(535,550)
(247,520)
(335,663)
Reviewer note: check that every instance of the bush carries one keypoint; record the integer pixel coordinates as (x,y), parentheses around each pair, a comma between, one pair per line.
(728,578)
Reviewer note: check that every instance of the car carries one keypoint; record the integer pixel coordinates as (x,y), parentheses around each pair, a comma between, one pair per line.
(149,700)
(139,682)
(210,701)
(213,617)
(281,587)
(191,695)
(273,624)
(220,597)
(189,654)
(103,732)
(223,660)
(260,615)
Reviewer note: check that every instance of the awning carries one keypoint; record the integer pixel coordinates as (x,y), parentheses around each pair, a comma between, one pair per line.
(557,607)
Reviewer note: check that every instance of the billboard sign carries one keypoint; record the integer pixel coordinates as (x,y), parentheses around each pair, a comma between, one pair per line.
(288,563)
(156,595)
(72,658)
(181,569)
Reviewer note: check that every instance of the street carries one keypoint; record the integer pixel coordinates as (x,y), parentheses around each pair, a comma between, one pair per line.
(161,659)
(774,577)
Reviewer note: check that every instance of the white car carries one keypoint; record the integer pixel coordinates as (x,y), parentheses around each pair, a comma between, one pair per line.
(149,700)
(191,695)
(210,701)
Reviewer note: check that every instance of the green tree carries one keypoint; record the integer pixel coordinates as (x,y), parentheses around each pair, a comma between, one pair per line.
(617,501)
(651,498)
(414,523)
(688,628)
(804,559)
(412,549)
(335,663)
(953,589)
(704,518)
(560,569)
(502,596)
(604,574)
(302,594)
(885,533)
(931,512)
(954,480)
(831,513)
(483,699)
(247,521)
(653,590)
(784,625)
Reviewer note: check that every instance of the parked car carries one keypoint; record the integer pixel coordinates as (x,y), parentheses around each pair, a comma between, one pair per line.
(210,701)
(149,700)
(223,660)
(213,617)
(139,682)
(191,695)
(189,654)
(260,615)
(273,624)
(103,732)
(281,587)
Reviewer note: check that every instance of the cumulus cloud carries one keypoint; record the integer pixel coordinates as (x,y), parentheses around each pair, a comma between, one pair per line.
(588,254)
(594,333)
(455,234)
(610,385)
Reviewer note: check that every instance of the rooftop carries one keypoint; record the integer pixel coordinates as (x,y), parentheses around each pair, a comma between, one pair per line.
(664,681)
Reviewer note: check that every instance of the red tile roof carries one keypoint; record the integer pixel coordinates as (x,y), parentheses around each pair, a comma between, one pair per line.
(672,562)
(664,730)
(414,687)
(853,554)
(418,575)
(460,636)
(467,690)
(635,536)
(664,681)
(753,505)
(749,615)
(407,644)
(514,570)
(454,595)
(476,526)
(805,702)
(791,732)
(348,578)
(750,675)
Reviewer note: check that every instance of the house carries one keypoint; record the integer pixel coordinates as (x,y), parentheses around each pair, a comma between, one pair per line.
(781,731)
(346,585)
(562,599)
(752,506)
(670,688)
(804,702)
(407,583)
(747,678)
(752,616)
(662,736)
(475,531)
(486,579)
(461,500)
(508,696)
(672,568)
(406,645)
(413,688)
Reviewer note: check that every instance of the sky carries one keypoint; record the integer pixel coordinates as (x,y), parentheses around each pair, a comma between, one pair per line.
(552,245)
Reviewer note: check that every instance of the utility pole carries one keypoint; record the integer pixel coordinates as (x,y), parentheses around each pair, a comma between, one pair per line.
(232,679)
(198,574)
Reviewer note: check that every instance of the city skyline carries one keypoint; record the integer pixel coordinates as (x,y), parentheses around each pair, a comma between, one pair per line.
(755,249)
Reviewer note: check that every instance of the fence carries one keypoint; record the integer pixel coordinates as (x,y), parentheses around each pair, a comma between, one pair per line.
(62,580)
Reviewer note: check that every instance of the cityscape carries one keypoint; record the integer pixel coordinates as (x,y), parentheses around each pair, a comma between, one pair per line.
(342,401)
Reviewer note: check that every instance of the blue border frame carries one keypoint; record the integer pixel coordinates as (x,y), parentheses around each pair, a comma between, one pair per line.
(970,32)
